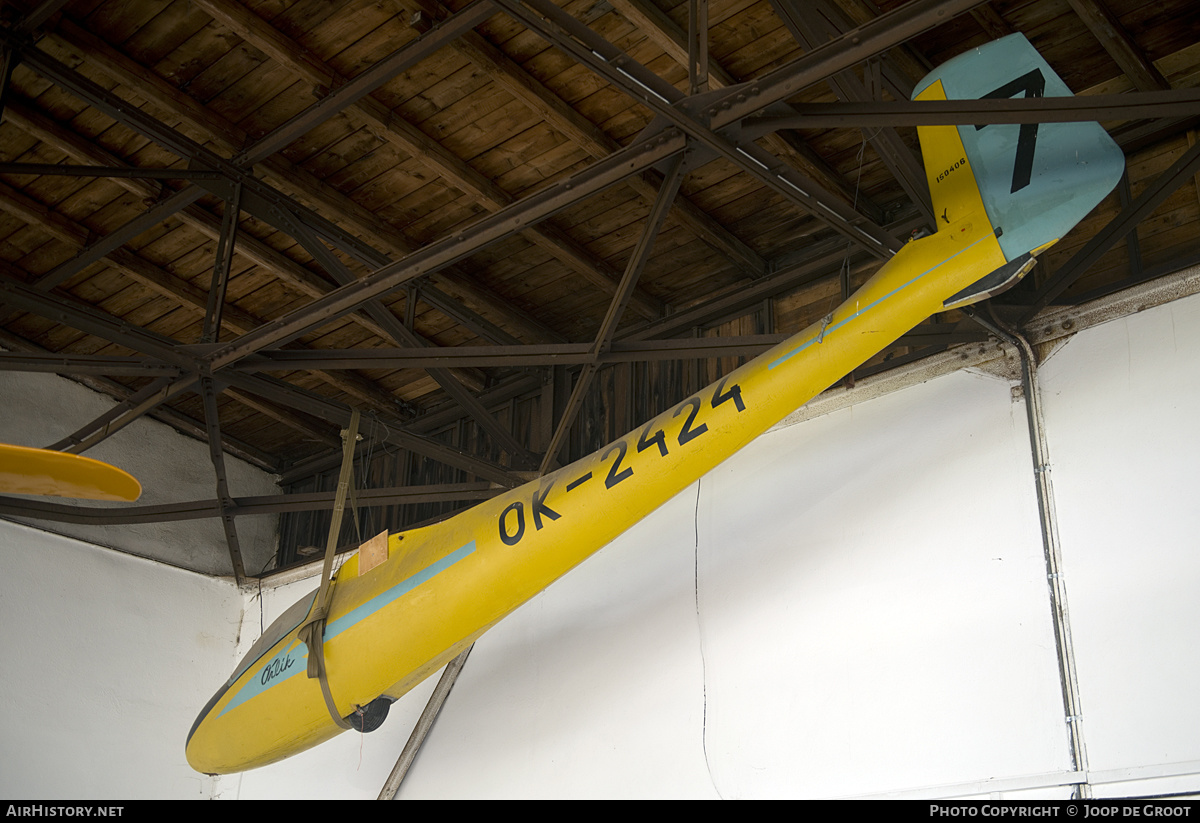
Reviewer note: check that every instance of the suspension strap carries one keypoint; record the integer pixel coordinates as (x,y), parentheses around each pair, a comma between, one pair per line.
(312,631)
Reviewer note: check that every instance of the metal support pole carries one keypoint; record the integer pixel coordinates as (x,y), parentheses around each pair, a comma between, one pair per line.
(1131,240)
(633,270)
(225,501)
(222,266)
(1068,676)
(424,724)
(697,46)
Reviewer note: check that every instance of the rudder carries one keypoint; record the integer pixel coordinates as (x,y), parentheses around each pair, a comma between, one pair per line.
(1035,181)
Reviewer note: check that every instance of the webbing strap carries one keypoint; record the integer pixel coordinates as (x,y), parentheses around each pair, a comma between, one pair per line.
(312,632)
(313,636)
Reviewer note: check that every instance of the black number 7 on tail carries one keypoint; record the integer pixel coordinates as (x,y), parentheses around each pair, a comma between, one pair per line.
(1034,85)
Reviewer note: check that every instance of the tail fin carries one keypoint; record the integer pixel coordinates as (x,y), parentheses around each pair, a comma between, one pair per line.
(1034,181)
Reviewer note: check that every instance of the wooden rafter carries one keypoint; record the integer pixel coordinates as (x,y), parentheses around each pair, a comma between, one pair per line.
(1119,45)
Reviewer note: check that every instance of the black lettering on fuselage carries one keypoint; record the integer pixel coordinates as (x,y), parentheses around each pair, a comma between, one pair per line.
(511,524)
(579,481)
(540,507)
(957,164)
(512,539)
(275,668)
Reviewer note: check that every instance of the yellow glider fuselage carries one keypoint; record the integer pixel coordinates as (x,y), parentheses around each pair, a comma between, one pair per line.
(442,586)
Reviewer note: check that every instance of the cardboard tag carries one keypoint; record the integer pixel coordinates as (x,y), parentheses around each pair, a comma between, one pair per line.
(372,553)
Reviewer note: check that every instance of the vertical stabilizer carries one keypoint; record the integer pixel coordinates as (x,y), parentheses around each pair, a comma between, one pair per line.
(1035,180)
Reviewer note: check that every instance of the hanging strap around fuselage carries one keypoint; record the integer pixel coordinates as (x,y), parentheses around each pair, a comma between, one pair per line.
(312,631)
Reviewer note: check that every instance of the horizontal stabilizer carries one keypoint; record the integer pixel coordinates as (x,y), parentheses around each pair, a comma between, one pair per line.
(1002,279)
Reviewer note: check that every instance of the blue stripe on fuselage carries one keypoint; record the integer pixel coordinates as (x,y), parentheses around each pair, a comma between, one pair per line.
(292,660)
(829,330)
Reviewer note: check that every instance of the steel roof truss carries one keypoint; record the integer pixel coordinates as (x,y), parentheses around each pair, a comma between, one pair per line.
(623,72)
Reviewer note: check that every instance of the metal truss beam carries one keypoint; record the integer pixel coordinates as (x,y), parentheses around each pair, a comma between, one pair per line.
(122,395)
(659,27)
(122,415)
(884,32)
(1148,105)
(688,114)
(812,24)
(242,506)
(112,365)
(108,171)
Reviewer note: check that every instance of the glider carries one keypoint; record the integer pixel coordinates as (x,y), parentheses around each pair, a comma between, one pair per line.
(1002,193)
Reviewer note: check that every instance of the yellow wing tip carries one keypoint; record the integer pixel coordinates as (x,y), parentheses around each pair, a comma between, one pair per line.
(26,470)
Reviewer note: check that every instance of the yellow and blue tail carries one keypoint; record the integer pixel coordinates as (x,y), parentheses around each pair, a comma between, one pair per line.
(1034,181)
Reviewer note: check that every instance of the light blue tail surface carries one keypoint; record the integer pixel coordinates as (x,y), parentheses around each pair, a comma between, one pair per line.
(1037,180)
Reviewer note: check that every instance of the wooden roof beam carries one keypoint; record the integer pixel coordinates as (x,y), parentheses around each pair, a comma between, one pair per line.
(810,28)
(660,28)
(286,417)
(1119,45)
(234,139)
(592,139)
(990,20)
(393,129)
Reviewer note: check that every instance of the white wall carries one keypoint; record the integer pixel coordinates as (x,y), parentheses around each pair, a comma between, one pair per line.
(1121,405)
(854,605)
(107,657)
(107,660)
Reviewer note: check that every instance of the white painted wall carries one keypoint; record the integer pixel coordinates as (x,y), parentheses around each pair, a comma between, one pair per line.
(107,659)
(1122,412)
(855,604)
